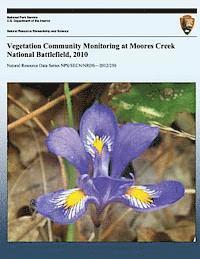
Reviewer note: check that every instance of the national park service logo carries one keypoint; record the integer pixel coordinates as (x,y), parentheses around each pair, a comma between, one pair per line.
(187,23)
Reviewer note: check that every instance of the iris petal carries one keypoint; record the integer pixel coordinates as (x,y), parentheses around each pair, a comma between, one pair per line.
(153,197)
(98,127)
(132,140)
(106,189)
(66,142)
(63,207)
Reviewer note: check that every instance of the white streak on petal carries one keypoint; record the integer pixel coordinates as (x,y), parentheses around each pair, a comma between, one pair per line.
(135,201)
(70,213)
(74,211)
(139,203)
(144,205)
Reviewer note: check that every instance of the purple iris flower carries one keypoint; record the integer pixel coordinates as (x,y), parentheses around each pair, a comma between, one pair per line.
(100,154)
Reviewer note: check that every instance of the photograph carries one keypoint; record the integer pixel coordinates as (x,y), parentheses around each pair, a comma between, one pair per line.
(101,162)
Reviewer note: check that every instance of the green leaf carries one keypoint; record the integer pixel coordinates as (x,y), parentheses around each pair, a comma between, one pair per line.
(160,102)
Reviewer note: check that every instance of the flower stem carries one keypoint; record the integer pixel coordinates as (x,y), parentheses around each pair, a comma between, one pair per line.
(70,171)
(71,182)
(96,232)
(69,105)
(70,233)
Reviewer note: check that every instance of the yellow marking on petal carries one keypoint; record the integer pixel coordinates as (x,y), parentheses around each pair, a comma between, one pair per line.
(98,144)
(74,198)
(140,194)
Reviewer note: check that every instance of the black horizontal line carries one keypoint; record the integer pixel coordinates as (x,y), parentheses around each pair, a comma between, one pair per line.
(103,10)
(106,36)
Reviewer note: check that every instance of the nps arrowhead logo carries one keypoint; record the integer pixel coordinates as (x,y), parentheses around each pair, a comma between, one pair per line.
(187,23)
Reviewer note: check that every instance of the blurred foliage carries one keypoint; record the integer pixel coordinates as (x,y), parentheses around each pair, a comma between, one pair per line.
(160,102)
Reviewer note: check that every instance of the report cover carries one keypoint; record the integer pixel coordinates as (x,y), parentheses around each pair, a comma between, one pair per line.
(99,129)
